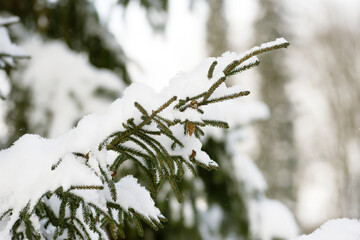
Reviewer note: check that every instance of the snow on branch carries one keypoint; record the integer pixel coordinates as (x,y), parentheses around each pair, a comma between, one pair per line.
(8,50)
(73,186)
(9,20)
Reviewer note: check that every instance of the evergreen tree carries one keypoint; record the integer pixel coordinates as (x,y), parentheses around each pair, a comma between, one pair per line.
(86,189)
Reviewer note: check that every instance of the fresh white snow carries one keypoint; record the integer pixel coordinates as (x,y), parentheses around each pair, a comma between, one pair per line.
(336,229)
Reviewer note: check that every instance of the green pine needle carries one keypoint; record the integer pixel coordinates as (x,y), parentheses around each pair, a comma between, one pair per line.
(225,98)
(211,69)
(215,123)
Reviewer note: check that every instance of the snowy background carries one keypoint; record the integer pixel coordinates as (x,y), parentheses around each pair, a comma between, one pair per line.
(321,67)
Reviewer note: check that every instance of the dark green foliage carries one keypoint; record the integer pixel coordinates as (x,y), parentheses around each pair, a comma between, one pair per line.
(223,191)
(24,218)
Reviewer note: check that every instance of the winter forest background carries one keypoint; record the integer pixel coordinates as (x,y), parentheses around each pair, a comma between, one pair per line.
(291,160)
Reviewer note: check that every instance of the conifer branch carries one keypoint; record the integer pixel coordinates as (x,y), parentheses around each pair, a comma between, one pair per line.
(86,188)
(128,133)
(151,132)
(256,51)
(243,68)
(182,102)
(140,140)
(233,68)
(213,88)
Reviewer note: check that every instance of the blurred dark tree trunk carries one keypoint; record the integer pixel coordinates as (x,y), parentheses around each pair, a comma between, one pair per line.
(277,154)
(216,29)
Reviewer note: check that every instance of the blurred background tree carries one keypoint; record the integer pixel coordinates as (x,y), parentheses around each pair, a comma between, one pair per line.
(326,78)
(277,152)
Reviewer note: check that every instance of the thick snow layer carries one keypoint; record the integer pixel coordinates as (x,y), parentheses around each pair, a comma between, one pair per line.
(344,229)
(132,195)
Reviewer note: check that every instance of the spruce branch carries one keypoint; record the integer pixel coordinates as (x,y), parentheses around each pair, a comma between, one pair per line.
(140,141)
(86,188)
(277,44)
(130,132)
(235,67)
(244,67)
(213,88)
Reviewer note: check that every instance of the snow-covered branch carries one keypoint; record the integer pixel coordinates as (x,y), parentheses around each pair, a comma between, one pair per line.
(8,50)
(73,185)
